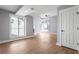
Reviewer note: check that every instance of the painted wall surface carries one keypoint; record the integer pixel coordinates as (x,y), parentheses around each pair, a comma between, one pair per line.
(53,25)
(29,25)
(4,25)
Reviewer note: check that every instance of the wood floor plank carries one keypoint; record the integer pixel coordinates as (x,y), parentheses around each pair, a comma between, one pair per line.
(42,43)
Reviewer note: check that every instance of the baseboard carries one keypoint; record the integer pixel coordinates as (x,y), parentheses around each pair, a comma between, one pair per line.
(47,32)
(15,39)
(58,44)
(52,33)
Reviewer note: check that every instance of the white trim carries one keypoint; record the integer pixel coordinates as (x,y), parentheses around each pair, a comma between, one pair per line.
(42,32)
(53,33)
(21,38)
(36,33)
(59,44)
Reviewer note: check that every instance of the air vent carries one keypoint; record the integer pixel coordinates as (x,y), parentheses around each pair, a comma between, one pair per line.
(31,8)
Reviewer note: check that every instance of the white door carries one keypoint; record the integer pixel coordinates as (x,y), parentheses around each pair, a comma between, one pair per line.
(67,28)
(63,30)
(76,28)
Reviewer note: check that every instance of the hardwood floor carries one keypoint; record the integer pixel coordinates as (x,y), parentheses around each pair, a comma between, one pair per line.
(43,43)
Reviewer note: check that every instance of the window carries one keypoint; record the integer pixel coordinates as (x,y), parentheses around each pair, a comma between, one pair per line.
(17,26)
(21,27)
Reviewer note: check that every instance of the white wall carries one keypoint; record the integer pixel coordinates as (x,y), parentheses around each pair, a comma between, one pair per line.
(4,25)
(53,25)
(29,25)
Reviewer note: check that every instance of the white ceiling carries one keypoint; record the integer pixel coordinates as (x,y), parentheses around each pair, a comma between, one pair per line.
(38,10)
(11,8)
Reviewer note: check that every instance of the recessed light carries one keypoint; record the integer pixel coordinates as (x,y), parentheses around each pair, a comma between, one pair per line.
(31,8)
(26,10)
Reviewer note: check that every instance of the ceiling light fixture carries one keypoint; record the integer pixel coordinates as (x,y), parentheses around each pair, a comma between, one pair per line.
(26,10)
(31,8)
